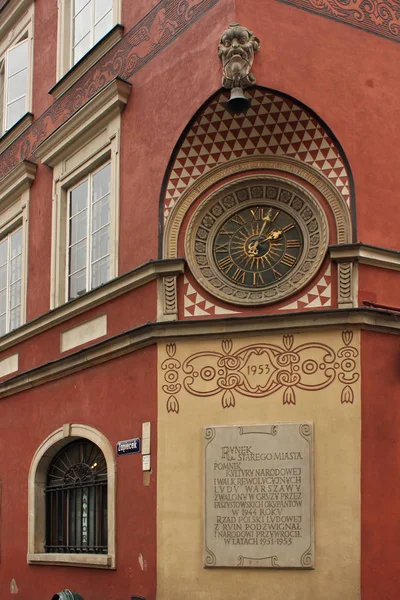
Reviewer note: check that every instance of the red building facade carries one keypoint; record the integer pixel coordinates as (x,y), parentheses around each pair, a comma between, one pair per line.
(116,147)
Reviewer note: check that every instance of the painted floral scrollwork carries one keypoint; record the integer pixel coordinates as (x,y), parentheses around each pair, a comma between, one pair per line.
(172,387)
(261,369)
(378,16)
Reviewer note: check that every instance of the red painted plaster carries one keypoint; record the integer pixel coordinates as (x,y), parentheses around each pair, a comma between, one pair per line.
(115,398)
(380,466)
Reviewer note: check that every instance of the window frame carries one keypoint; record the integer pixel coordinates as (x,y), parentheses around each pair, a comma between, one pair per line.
(37,506)
(89,233)
(14,216)
(14,35)
(102,149)
(65,35)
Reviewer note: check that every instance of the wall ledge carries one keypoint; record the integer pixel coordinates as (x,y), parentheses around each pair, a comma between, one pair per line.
(365,254)
(153,333)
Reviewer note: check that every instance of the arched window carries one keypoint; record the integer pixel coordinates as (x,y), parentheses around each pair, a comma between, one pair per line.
(76,500)
(71,499)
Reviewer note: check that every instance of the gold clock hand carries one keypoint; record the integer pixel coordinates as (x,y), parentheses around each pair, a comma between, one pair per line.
(253,246)
(274,235)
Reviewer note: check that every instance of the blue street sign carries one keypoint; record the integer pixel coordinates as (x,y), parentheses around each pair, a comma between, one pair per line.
(128,446)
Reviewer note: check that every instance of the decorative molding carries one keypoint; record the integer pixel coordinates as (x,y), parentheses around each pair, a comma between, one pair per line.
(90,59)
(374,256)
(240,167)
(259,370)
(346,297)
(141,44)
(153,333)
(17,181)
(381,17)
(11,11)
(167,299)
(84,122)
(116,287)
(277,192)
(12,134)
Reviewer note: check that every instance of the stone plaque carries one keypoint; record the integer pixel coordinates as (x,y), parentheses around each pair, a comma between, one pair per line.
(259,496)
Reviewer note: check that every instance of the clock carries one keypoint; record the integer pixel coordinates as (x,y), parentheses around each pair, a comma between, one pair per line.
(257,241)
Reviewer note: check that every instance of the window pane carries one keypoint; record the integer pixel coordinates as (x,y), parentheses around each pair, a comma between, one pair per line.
(16,242)
(100,272)
(103,27)
(101,183)
(3,278)
(17,58)
(100,243)
(79,197)
(82,48)
(82,24)
(101,213)
(101,7)
(15,269)
(15,318)
(3,325)
(77,257)
(17,85)
(79,4)
(3,301)
(15,111)
(78,227)
(15,294)
(77,284)
(3,252)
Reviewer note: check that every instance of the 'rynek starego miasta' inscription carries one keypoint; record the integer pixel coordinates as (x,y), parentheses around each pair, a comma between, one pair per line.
(258,496)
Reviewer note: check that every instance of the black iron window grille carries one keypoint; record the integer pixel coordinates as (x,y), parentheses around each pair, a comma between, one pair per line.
(76,500)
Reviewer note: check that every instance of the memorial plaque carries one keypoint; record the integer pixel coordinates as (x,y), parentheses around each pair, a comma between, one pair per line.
(259,496)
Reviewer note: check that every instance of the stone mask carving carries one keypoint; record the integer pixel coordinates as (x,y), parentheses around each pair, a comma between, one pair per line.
(236,50)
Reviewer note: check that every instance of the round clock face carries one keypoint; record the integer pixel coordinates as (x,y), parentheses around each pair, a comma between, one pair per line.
(256,242)
(258,246)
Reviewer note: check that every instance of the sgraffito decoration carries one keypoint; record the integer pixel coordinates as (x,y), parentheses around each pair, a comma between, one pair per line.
(167,20)
(381,17)
(261,369)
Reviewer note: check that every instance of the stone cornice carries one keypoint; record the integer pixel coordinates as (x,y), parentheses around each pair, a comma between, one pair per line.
(152,333)
(109,101)
(10,13)
(90,59)
(365,254)
(16,182)
(137,277)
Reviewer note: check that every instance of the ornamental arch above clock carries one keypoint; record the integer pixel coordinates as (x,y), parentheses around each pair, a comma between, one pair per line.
(256,240)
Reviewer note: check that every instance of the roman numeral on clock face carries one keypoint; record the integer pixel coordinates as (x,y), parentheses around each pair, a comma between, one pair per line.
(222,247)
(288,260)
(293,244)
(226,264)
(239,275)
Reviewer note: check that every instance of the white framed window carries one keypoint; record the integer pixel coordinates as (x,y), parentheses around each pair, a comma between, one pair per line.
(91,20)
(88,255)
(81,25)
(11,258)
(16,76)
(14,205)
(84,154)
(16,60)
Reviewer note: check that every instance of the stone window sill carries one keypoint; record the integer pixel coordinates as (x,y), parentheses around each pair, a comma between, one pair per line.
(96,561)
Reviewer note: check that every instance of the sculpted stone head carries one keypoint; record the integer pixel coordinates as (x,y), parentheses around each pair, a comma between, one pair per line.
(236,50)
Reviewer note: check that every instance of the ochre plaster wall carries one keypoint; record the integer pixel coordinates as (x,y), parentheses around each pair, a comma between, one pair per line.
(335,412)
